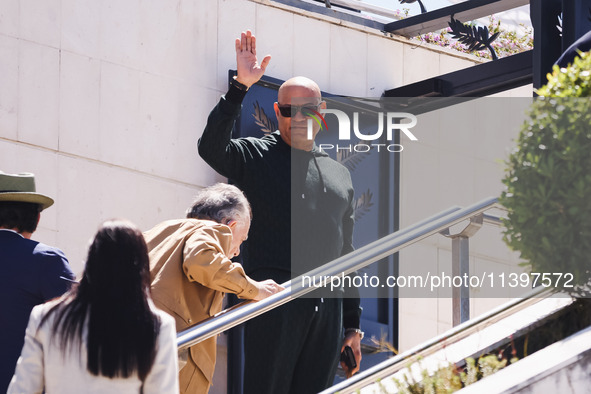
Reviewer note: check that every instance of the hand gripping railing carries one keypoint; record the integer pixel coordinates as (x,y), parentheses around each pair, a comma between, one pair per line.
(343,265)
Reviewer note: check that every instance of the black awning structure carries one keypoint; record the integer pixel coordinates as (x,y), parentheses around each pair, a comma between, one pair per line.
(476,81)
(557,24)
(437,19)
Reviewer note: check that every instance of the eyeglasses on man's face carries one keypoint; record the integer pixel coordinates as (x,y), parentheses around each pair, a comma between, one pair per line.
(287,111)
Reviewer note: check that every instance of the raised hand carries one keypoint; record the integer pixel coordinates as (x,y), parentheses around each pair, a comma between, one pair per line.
(247,65)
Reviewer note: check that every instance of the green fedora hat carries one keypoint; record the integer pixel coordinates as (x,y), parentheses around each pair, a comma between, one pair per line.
(21,188)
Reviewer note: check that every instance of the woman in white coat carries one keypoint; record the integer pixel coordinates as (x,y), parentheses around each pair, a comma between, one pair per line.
(105,335)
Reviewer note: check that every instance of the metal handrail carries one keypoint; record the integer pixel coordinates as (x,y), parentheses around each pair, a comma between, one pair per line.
(373,9)
(390,366)
(353,261)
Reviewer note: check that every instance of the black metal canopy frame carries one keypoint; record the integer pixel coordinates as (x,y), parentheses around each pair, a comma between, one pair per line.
(481,80)
(503,74)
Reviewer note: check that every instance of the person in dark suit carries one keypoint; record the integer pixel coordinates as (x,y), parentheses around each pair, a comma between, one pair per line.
(583,44)
(30,272)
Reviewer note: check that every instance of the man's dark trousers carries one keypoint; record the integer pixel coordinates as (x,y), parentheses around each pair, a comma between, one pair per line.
(279,367)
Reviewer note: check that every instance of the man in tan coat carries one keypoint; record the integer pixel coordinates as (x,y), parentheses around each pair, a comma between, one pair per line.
(191,270)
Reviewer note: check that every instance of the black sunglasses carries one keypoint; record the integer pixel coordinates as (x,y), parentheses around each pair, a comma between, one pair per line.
(287,111)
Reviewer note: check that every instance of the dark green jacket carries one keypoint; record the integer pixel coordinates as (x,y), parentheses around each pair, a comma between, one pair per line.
(306,194)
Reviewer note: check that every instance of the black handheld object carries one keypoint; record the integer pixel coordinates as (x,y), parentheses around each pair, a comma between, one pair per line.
(348,358)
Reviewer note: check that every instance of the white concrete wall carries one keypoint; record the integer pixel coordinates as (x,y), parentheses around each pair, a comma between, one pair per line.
(452,166)
(104,101)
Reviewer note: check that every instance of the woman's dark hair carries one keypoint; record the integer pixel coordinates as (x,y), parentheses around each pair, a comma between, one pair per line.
(22,216)
(114,296)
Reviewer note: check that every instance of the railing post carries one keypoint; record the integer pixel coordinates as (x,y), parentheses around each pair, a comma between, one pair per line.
(460,260)
(460,248)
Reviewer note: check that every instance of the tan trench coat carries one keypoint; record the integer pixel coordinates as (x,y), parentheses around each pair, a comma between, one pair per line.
(190,273)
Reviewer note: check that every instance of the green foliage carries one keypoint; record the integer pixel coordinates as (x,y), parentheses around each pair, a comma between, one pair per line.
(490,364)
(445,380)
(572,81)
(449,379)
(548,178)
